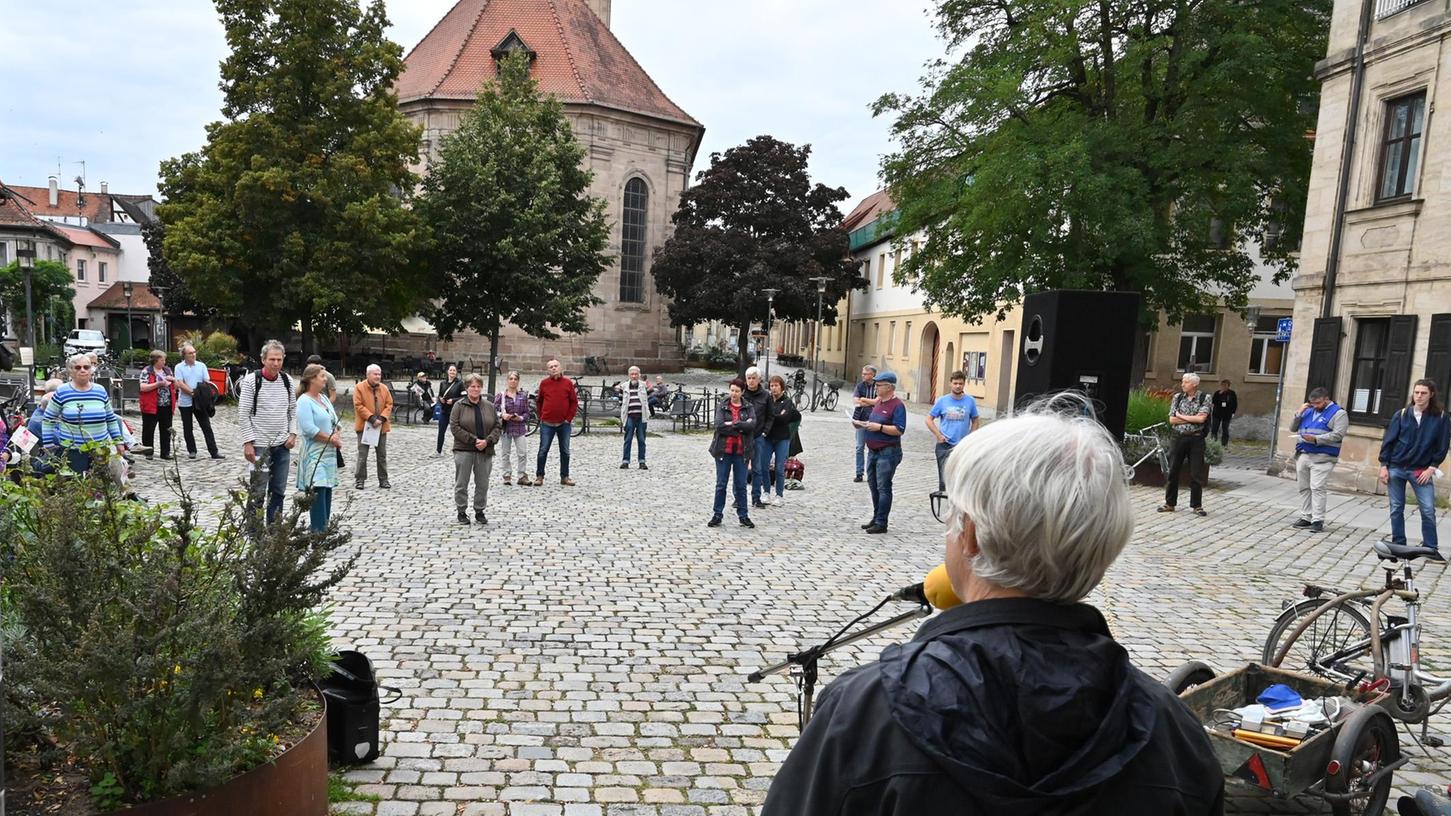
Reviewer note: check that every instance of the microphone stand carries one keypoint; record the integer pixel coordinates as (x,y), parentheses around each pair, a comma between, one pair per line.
(802,665)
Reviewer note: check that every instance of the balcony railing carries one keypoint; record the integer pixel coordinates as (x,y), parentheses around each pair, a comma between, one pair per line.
(1385,8)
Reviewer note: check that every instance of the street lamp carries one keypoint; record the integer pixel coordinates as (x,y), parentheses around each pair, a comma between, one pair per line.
(126,292)
(816,340)
(770,298)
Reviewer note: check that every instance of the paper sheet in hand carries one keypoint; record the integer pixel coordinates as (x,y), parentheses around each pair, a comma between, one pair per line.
(370,435)
(24,439)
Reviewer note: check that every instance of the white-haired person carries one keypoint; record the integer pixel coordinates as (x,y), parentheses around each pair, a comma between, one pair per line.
(1189,421)
(267,417)
(634,415)
(78,420)
(372,408)
(1019,700)
(758,458)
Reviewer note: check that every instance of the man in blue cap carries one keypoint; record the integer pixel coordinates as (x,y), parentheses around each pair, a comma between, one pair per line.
(884,427)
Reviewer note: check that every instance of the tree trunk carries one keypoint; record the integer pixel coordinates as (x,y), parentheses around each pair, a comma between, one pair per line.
(493,355)
(742,344)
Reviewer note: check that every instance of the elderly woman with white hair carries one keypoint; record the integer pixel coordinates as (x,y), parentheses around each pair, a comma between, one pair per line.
(78,420)
(1019,700)
(1189,420)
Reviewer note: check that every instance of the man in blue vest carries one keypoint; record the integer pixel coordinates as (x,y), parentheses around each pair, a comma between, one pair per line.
(1321,425)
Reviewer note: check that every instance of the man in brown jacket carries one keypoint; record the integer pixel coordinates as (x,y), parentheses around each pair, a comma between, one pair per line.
(373,406)
(476,428)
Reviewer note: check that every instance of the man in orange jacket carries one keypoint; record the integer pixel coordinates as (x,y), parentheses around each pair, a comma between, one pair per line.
(373,406)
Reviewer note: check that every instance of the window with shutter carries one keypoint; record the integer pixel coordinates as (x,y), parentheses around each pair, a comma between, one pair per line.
(1401,341)
(1324,355)
(1438,355)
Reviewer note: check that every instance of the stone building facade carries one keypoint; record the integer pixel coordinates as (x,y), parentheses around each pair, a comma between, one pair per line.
(1373,294)
(640,146)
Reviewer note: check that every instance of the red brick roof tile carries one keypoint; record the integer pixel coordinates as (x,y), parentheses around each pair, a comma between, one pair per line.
(96,207)
(142,298)
(578,58)
(868,210)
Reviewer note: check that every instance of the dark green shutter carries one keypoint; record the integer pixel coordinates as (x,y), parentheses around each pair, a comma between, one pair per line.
(1438,356)
(1324,355)
(1396,384)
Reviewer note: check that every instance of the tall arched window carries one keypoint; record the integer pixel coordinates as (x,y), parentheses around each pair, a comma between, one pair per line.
(632,242)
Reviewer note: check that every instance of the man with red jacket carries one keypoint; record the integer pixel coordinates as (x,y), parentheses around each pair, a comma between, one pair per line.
(557,404)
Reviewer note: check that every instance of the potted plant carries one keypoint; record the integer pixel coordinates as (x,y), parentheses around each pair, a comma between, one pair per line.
(156,661)
(1147,409)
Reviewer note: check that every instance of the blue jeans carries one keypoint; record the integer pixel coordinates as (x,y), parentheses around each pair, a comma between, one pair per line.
(547,435)
(731,466)
(861,445)
(322,507)
(277,461)
(782,451)
(760,464)
(1425,501)
(635,429)
(943,450)
(881,467)
(442,423)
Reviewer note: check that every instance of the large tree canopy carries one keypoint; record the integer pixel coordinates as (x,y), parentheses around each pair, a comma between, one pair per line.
(294,211)
(754,221)
(51,293)
(518,237)
(1106,144)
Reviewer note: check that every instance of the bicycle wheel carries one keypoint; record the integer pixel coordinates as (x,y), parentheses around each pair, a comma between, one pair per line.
(1336,645)
(830,401)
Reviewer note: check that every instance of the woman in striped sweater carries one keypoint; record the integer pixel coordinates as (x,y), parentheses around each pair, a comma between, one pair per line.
(79,414)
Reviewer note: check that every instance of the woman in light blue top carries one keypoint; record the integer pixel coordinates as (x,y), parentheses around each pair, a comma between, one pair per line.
(317,425)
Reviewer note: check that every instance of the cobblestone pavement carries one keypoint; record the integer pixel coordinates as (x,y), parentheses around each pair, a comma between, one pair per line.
(586,652)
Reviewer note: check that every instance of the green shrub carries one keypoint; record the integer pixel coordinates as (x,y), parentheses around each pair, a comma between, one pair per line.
(163,655)
(214,350)
(1146,408)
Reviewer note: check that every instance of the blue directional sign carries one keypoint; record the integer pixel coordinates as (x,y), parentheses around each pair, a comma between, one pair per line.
(1282,329)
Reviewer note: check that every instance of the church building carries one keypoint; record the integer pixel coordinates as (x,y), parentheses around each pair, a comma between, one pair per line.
(639,144)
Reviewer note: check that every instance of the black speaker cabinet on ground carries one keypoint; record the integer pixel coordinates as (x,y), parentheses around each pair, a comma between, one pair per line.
(1082,341)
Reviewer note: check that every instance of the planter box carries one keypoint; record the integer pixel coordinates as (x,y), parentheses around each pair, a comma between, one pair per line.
(1149,475)
(294,784)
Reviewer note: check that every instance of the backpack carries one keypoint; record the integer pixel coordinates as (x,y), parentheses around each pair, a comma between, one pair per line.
(1199,405)
(257,386)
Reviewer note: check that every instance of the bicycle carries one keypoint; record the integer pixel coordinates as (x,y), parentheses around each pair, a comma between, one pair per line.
(1348,649)
(1146,438)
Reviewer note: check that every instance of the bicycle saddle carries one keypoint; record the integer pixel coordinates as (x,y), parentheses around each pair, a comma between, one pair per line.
(1388,551)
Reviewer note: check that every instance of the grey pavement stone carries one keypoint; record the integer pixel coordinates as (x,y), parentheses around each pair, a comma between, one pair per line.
(594,640)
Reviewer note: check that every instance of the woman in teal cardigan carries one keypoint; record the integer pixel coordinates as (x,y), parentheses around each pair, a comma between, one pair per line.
(317,425)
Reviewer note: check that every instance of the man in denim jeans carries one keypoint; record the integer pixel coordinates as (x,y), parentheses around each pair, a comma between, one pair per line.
(884,428)
(557,403)
(267,413)
(1411,453)
(864,396)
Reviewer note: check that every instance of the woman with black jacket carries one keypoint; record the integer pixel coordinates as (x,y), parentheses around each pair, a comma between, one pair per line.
(449,392)
(735,425)
(784,415)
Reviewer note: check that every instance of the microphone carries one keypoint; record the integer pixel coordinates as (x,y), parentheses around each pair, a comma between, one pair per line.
(935,590)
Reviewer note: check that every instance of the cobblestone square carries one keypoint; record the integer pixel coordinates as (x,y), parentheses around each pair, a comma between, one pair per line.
(586,651)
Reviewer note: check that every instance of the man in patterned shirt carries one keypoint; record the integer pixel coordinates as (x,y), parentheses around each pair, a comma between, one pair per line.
(1189,419)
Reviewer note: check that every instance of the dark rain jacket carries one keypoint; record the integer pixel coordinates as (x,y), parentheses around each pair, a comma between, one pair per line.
(1005,706)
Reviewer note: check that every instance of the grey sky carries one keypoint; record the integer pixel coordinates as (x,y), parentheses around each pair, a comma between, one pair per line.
(123,86)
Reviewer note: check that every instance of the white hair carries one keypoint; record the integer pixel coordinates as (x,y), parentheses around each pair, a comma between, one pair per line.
(271,346)
(633,370)
(870,368)
(1191,377)
(1046,494)
(375,367)
(84,356)
(753,370)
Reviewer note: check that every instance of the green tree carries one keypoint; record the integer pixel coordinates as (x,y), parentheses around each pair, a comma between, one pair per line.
(1106,144)
(518,237)
(295,210)
(176,298)
(51,293)
(754,221)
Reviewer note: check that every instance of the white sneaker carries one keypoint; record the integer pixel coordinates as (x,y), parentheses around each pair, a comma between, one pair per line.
(780,501)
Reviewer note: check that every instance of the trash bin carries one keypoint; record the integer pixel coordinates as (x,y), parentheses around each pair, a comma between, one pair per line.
(353,704)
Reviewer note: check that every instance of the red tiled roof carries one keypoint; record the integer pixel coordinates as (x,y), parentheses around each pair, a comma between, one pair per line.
(83,236)
(96,207)
(871,207)
(15,212)
(142,299)
(578,58)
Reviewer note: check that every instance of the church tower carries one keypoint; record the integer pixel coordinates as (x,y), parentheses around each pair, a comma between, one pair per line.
(639,144)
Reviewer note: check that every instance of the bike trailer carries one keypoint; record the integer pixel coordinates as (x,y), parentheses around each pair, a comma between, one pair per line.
(1349,764)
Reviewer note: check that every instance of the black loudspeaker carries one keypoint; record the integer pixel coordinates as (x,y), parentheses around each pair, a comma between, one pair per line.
(353,708)
(1082,341)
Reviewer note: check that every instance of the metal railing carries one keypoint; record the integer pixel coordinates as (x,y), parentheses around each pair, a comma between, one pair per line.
(1385,8)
